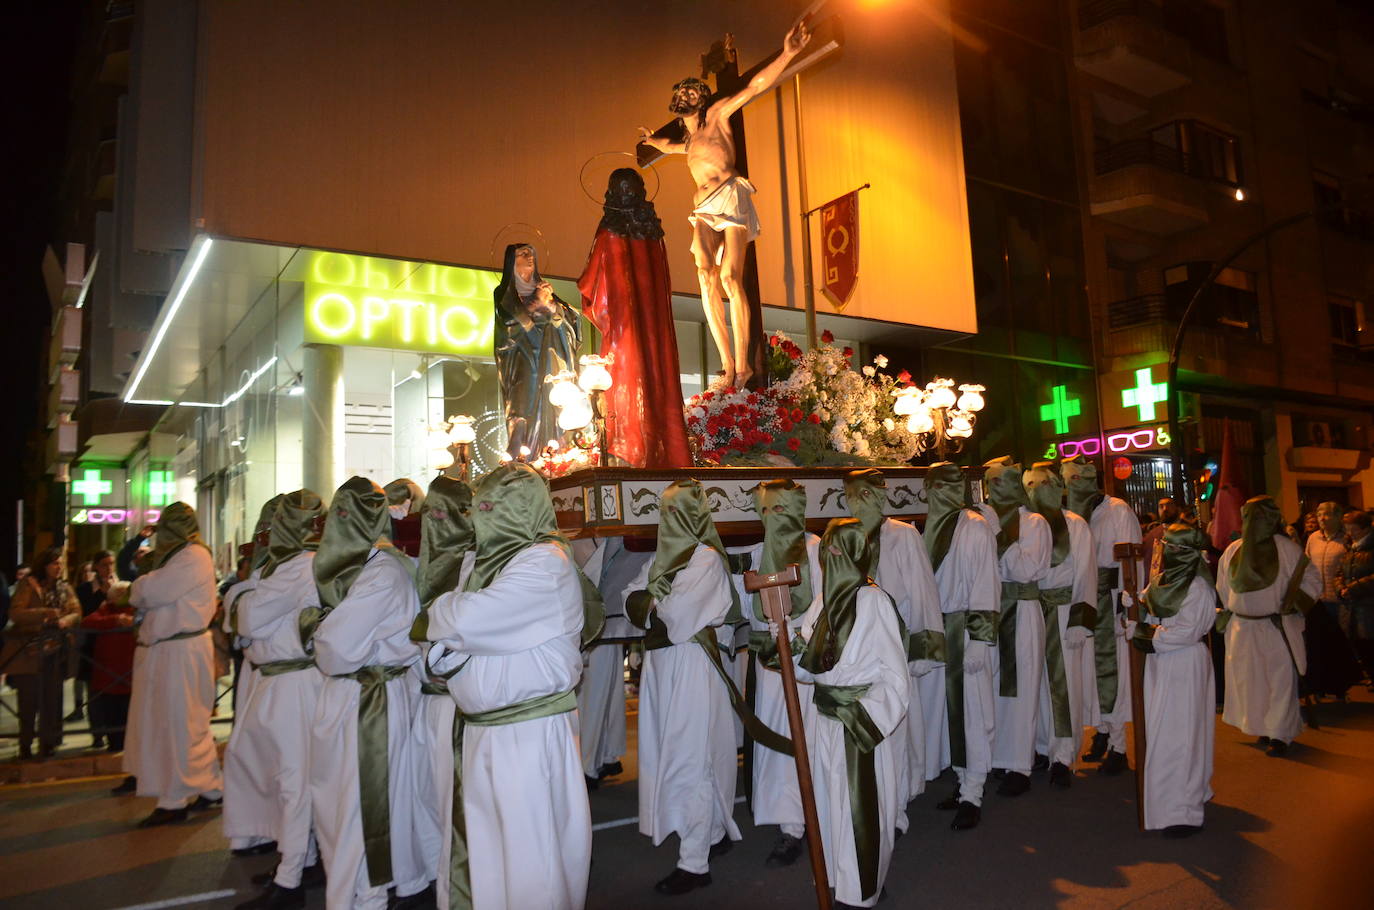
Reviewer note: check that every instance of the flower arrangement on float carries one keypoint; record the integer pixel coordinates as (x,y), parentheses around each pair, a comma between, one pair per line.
(817,409)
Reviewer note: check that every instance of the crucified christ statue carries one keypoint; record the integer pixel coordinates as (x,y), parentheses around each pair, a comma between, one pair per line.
(723,218)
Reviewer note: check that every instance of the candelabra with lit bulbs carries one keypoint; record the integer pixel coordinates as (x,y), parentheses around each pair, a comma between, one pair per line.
(938,418)
(578,397)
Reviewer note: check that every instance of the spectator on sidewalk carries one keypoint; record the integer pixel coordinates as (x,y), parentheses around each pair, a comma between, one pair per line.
(43,609)
(91,593)
(112,665)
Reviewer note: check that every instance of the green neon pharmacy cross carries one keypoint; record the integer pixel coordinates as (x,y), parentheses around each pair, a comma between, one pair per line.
(1145,395)
(91,487)
(161,489)
(1061,408)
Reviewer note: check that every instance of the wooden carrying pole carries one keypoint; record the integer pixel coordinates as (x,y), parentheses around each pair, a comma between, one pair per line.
(1128,554)
(772,589)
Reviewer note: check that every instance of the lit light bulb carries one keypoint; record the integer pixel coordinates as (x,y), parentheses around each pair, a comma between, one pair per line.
(908,401)
(524,451)
(460,430)
(1240,194)
(575,415)
(920,422)
(564,388)
(972,397)
(940,393)
(960,424)
(595,375)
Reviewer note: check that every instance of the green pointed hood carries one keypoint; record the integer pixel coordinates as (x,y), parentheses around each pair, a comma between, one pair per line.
(866,492)
(684,520)
(1184,559)
(295,528)
(781,507)
(1046,493)
(262,531)
(947,494)
(446,535)
(1256,566)
(176,528)
(1080,476)
(402,489)
(356,522)
(1006,495)
(845,566)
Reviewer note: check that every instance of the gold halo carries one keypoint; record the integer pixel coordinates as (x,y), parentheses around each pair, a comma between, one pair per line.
(517,232)
(599,197)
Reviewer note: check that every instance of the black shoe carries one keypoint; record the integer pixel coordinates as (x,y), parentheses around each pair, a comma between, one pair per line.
(126,786)
(720,847)
(1277,748)
(25,751)
(786,850)
(1098,750)
(311,876)
(422,900)
(680,881)
(610,770)
(74,717)
(998,773)
(204,803)
(1178,832)
(275,898)
(257,849)
(1041,763)
(1060,776)
(163,817)
(1014,784)
(592,782)
(967,817)
(1113,764)
(97,742)
(1263,741)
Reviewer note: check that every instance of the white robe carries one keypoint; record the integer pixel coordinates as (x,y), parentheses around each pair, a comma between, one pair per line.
(370,627)
(169,747)
(904,572)
(687,752)
(246,817)
(267,765)
(1079,572)
(529,828)
(874,655)
(776,794)
(244,681)
(1180,715)
(1261,681)
(968,582)
(601,696)
(1112,523)
(1026,560)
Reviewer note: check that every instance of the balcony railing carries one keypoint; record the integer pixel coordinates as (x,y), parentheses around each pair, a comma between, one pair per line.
(1184,146)
(1125,314)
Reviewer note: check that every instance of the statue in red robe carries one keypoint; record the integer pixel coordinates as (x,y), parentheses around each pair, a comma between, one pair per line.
(626,295)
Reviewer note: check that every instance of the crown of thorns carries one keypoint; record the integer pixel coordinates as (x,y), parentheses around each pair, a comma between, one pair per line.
(692,82)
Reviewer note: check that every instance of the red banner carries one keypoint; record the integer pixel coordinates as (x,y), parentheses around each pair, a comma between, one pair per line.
(840,248)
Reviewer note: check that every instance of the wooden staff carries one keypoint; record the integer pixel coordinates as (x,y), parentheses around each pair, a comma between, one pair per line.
(1127,555)
(772,589)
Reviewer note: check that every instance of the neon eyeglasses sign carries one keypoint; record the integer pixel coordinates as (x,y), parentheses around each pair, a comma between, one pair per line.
(113,516)
(1116,443)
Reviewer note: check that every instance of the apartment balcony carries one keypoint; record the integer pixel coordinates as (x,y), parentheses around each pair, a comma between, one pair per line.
(1125,43)
(64,394)
(61,448)
(1165,181)
(1223,340)
(64,345)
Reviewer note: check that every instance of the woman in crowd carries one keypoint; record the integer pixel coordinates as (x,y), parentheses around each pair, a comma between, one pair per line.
(43,609)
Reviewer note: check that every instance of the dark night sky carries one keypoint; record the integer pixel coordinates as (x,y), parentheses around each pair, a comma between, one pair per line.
(42,38)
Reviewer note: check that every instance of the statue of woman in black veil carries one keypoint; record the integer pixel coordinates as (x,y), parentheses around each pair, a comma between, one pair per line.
(537,334)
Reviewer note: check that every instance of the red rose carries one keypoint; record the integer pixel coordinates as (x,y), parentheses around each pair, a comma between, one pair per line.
(794,443)
(797,414)
(904,376)
(848,352)
(782,412)
(827,336)
(787,426)
(814,418)
(794,353)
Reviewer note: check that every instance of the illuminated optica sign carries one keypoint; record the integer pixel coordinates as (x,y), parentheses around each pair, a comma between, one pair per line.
(384,303)
(1138,440)
(113,516)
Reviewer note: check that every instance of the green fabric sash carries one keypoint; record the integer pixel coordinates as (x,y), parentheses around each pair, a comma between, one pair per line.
(956,624)
(278,667)
(1105,665)
(1051,599)
(982,626)
(292,528)
(176,527)
(264,526)
(927,644)
(1006,495)
(764,647)
(946,495)
(861,737)
(373,770)
(1256,566)
(845,568)
(1013,592)
(1183,560)
(866,492)
(432,686)
(189,633)
(781,507)
(459,874)
(684,521)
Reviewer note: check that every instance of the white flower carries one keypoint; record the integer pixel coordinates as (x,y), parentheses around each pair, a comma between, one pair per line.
(698,412)
(869,371)
(881,361)
(889,424)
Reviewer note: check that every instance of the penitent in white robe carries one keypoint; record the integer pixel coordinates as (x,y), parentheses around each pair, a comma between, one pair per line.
(1180,717)
(169,747)
(370,627)
(904,572)
(1026,560)
(776,794)
(601,694)
(529,828)
(246,812)
(1079,572)
(1261,681)
(1112,523)
(967,580)
(243,682)
(267,767)
(874,655)
(686,733)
